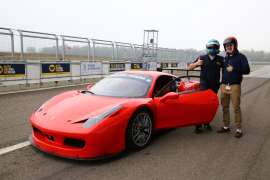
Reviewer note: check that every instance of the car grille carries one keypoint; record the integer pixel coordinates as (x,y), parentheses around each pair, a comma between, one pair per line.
(58,140)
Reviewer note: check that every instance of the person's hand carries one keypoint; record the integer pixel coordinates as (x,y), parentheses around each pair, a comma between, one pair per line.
(199,62)
(230,68)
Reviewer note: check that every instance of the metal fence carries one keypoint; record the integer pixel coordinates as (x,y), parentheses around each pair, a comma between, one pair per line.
(75,48)
(7,42)
(38,45)
(33,45)
(103,49)
(124,51)
(138,51)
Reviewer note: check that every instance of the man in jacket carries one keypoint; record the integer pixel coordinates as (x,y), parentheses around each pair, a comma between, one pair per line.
(236,65)
(210,64)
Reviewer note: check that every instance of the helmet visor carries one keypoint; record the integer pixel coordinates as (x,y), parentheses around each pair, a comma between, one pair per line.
(212,46)
(230,41)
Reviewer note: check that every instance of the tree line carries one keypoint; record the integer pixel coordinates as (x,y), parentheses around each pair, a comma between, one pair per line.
(181,55)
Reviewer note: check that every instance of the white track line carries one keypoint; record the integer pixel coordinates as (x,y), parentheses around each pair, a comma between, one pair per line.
(14,147)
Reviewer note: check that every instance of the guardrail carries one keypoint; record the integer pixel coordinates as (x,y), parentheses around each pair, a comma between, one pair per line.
(6,32)
(103,49)
(91,56)
(33,45)
(35,71)
(68,52)
(40,36)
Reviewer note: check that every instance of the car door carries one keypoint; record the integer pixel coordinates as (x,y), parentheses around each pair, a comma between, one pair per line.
(200,106)
(188,108)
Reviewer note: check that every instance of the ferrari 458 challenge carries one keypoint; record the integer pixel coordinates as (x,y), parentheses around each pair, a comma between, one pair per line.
(121,111)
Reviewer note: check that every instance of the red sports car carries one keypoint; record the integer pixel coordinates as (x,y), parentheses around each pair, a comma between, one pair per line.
(119,112)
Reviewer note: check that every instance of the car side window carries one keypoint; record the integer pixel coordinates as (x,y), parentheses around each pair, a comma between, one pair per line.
(161,82)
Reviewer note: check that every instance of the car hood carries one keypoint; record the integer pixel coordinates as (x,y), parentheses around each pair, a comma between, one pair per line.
(73,107)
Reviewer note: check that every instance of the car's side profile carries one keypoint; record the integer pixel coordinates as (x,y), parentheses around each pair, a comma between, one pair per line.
(119,112)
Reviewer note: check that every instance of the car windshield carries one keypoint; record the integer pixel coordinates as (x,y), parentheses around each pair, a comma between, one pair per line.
(125,85)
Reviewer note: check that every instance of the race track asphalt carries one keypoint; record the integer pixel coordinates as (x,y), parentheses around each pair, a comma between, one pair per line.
(175,154)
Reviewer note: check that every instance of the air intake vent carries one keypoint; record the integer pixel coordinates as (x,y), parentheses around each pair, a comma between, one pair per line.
(74,142)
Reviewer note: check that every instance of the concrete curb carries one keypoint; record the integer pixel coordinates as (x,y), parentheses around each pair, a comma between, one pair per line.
(41,89)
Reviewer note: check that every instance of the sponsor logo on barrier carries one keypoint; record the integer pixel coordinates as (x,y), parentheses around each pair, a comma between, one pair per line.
(55,69)
(89,68)
(152,66)
(12,70)
(117,67)
(136,66)
(164,65)
(174,65)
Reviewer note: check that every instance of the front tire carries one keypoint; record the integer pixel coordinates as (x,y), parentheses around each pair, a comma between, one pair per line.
(139,132)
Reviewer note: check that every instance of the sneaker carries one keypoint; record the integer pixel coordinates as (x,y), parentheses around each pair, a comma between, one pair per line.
(198,129)
(238,134)
(208,127)
(223,130)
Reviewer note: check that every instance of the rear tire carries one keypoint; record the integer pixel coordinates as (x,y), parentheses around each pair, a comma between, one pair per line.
(139,132)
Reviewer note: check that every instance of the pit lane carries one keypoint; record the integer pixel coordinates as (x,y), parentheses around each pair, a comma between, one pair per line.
(175,154)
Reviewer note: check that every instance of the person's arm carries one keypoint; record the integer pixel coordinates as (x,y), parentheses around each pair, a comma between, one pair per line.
(195,64)
(244,66)
(245,69)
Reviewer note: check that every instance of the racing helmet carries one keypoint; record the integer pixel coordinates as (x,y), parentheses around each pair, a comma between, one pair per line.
(230,40)
(212,47)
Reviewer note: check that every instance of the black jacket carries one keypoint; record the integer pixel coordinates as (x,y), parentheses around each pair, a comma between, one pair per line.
(240,67)
(210,72)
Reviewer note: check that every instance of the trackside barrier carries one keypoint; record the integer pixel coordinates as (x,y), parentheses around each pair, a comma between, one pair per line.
(80,48)
(103,49)
(35,45)
(38,71)
(37,58)
(17,75)
(28,50)
(8,36)
(31,45)
(124,51)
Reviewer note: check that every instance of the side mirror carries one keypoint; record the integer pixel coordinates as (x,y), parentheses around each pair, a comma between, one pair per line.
(170,95)
(89,86)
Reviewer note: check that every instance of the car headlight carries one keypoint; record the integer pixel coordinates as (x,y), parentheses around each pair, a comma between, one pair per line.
(93,120)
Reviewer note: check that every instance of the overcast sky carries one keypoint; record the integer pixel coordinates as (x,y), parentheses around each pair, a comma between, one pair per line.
(181,24)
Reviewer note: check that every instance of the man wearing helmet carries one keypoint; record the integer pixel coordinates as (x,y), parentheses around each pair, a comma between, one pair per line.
(210,64)
(236,65)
